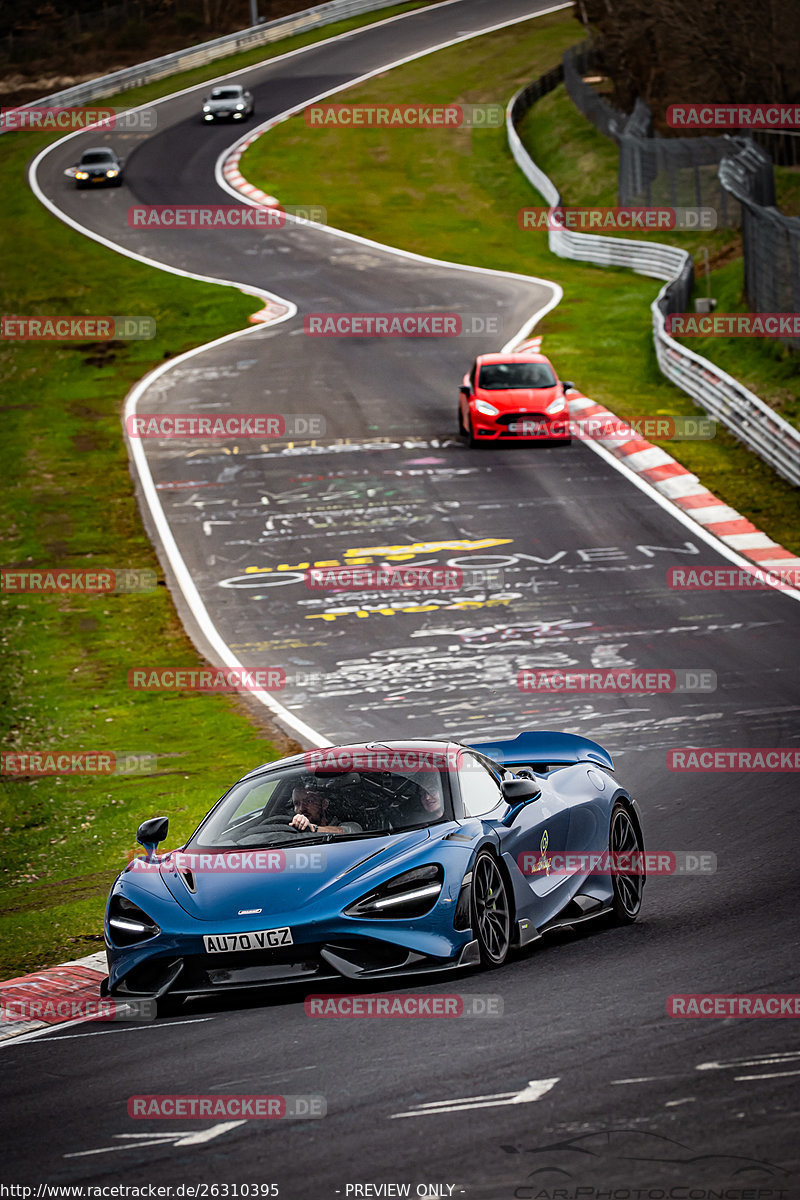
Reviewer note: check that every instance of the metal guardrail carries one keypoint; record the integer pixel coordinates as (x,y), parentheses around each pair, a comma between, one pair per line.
(719,394)
(196,56)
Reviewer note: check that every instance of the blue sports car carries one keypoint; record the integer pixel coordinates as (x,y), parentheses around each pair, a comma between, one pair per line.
(367,862)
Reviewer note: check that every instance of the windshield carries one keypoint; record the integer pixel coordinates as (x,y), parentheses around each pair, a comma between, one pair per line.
(499,376)
(96,156)
(258,812)
(226,93)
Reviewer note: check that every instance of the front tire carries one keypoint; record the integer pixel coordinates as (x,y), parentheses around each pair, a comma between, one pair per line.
(624,837)
(491,911)
(465,431)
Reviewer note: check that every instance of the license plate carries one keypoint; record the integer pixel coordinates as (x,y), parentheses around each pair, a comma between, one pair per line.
(260,939)
(529,427)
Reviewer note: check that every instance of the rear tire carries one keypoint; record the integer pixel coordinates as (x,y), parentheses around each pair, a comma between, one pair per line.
(624,836)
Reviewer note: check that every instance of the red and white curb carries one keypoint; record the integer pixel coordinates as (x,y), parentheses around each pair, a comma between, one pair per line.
(683,489)
(55,991)
(231,172)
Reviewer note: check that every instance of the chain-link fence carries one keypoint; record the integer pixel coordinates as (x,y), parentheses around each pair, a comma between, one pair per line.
(734,175)
(722,396)
(770,240)
(669,172)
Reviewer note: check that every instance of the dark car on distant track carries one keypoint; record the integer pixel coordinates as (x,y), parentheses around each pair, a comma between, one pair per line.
(98,166)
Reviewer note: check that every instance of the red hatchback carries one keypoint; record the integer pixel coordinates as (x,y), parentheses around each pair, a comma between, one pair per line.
(513,397)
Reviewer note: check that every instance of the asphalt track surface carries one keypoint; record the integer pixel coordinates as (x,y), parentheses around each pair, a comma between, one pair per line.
(639,1100)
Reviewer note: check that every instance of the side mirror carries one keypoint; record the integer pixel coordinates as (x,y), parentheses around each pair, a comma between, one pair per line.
(567,384)
(465,390)
(517,793)
(151,832)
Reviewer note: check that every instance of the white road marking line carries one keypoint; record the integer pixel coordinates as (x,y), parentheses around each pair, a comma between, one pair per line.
(776,1057)
(776,1075)
(534,1091)
(675,1103)
(38,1033)
(138,1141)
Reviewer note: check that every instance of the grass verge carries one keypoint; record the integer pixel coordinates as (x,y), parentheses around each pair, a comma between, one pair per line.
(68,501)
(455,194)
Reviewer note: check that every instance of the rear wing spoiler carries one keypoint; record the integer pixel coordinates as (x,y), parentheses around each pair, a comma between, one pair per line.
(544,749)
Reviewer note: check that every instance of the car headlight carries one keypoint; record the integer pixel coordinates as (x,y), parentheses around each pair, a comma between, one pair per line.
(483,406)
(128,923)
(555,405)
(412,894)
(206,108)
(112,173)
(240,108)
(81,174)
